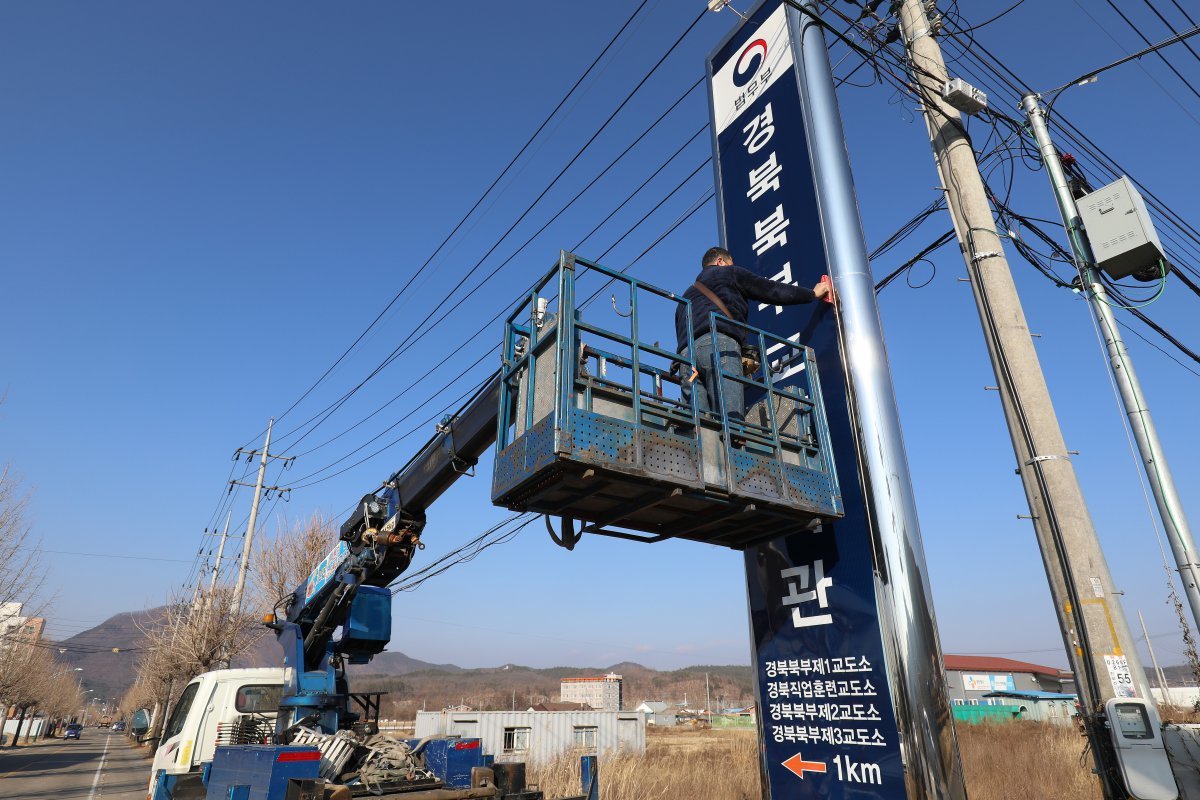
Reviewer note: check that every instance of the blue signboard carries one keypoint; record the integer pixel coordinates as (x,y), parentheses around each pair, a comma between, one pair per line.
(826,718)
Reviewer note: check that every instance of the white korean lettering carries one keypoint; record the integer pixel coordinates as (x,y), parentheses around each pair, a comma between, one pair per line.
(765,178)
(759,130)
(783,276)
(813,585)
(771,231)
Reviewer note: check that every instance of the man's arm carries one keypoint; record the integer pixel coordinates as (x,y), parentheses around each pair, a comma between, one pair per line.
(774,293)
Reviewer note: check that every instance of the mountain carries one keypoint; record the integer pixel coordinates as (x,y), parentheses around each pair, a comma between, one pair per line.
(91,652)
(515,686)
(410,682)
(389,663)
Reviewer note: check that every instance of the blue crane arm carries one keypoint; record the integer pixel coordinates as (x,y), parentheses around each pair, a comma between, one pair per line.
(376,544)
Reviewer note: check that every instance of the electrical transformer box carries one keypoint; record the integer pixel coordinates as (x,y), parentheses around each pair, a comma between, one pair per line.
(1120,229)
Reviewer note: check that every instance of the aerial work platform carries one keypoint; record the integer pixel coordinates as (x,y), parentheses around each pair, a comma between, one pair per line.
(598,424)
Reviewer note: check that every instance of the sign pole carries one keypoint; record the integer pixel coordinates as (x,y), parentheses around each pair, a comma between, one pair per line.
(848,669)
(914,653)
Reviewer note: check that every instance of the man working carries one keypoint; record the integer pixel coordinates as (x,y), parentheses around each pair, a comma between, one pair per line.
(726,289)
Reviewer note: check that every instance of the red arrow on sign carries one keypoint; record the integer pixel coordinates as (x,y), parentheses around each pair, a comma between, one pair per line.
(798,765)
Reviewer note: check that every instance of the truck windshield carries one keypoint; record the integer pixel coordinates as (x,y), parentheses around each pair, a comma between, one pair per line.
(175,725)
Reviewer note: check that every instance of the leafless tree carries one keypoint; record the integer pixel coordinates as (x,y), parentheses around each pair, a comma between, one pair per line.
(280,563)
(21,572)
(34,679)
(187,638)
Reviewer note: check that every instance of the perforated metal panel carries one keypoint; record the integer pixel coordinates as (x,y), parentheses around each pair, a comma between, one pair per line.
(671,456)
(813,490)
(601,440)
(755,475)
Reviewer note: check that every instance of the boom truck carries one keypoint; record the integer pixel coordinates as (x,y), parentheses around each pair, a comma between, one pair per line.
(591,423)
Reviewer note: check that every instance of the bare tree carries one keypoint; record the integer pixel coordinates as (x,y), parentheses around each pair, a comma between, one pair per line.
(186,639)
(283,561)
(33,679)
(21,572)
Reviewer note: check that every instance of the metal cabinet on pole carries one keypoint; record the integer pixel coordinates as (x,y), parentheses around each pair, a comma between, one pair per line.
(1154,461)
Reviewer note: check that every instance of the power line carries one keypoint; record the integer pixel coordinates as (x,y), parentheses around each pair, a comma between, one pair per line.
(396,352)
(480,330)
(472,210)
(115,555)
(1147,50)
(1151,48)
(944,239)
(1002,14)
(1172,29)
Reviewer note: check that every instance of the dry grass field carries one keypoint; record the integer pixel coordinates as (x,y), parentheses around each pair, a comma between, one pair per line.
(1014,761)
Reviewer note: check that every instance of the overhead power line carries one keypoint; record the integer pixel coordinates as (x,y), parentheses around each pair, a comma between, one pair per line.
(466,216)
(452,292)
(114,555)
(1152,48)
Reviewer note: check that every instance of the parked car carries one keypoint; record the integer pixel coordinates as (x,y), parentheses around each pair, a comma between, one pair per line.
(74,731)
(118,726)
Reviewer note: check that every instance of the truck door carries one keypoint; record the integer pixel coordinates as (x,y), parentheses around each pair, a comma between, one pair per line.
(213,711)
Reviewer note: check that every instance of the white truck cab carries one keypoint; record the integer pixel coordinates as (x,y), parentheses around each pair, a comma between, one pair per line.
(214,708)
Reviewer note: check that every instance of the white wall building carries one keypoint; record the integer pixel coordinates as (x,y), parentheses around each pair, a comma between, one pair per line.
(603,692)
(536,737)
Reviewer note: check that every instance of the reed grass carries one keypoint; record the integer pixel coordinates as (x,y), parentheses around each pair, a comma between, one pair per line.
(1008,761)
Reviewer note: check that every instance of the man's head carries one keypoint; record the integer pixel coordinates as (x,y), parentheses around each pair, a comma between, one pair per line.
(717,257)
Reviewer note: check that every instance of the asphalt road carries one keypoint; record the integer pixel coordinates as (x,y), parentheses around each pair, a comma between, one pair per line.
(100,765)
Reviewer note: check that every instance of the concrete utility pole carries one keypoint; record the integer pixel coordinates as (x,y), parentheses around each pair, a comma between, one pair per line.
(1099,644)
(264,456)
(216,570)
(1162,678)
(1154,461)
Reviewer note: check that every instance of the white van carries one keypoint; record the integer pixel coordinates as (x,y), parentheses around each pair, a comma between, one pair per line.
(214,708)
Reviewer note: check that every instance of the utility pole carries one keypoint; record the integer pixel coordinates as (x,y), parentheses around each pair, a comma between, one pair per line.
(1095,632)
(1154,461)
(1162,678)
(707,700)
(247,543)
(212,580)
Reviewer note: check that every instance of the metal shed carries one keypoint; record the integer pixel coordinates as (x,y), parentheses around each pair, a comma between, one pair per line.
(1041,706)
(540,736)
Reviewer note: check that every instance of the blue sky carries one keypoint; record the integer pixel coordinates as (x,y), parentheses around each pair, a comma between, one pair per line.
(203,206)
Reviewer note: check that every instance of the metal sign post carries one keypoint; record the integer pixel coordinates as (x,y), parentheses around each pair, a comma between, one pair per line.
(847,663)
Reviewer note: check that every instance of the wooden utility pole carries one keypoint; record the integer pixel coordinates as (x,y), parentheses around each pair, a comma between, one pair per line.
(1093,625)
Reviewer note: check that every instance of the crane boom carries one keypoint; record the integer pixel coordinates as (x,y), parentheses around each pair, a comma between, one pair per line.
(376,544)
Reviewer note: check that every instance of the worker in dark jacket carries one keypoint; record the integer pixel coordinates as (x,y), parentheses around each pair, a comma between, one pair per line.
(734,287)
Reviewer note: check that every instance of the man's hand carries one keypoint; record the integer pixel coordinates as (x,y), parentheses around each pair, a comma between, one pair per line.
(824,288)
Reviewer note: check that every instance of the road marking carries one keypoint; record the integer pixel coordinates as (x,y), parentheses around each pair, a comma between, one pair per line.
(99,769)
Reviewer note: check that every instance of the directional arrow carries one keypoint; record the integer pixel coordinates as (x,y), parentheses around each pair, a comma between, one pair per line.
(798,765)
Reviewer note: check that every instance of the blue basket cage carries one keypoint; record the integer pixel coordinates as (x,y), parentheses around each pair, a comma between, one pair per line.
(599,425)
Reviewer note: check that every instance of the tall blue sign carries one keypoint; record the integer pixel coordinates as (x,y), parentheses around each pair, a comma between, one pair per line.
(827,724)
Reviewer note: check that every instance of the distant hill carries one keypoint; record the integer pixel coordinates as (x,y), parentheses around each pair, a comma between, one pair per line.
(409,681)
(109,673)
(516,686)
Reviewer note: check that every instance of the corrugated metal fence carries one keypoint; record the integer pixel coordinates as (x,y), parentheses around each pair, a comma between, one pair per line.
(540,736)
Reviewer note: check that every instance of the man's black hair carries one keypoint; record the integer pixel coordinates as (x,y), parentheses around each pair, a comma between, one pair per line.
(713,253)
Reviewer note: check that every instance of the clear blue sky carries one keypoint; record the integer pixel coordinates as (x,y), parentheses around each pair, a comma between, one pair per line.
(203,205)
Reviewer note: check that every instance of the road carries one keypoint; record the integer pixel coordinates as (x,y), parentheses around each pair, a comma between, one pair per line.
(100,765)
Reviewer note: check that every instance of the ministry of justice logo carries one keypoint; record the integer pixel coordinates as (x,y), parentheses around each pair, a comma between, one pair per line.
(752,57)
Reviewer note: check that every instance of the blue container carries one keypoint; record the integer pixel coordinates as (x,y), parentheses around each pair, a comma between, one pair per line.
(369,627)
(260,772)
(452,760)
